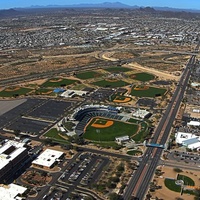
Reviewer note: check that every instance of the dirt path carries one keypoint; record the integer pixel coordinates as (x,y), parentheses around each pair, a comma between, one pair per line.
(161,74)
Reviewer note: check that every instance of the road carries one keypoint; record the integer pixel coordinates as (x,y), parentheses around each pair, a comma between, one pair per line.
(139,183)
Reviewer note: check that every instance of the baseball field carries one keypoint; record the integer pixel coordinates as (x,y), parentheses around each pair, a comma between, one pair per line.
(102,129)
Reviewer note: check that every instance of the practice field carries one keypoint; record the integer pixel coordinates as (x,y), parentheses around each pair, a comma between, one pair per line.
(88,75)
(121,99)
(14,92)
(58,82)
(111,83)
(146,91)
(43,91)
(101,129)
(118,69)
(142,77)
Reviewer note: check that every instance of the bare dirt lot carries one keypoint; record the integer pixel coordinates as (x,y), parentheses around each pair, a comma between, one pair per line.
(167,194)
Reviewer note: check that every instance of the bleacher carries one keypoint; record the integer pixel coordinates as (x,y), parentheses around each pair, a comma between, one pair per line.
(84,117)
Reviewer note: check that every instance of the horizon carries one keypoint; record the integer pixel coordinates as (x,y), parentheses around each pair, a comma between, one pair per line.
(184,4)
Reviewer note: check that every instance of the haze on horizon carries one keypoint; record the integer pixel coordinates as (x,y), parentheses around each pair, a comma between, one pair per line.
(184,4)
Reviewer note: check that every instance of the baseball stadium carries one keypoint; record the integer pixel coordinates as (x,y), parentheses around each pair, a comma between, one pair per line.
(105,120)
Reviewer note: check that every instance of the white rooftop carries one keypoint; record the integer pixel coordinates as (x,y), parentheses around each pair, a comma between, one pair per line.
(5,158)
(140,113)
(48,158)
(9,192)
(193,123)
(181,137)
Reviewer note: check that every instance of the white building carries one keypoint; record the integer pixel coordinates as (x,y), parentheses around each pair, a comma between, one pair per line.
(188,140)
(181,136)
(122,139)
(141,113)
(11,192)
(193,123)
(12,155)
(193,143)
(72,93)
(48,158)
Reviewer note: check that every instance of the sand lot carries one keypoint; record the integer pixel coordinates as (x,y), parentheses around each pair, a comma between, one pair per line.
(167,194)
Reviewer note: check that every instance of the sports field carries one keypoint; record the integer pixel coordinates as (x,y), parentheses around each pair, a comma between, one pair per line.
(43,91)
(146,91)
(88,75)
(118,69)
(111,83)
(142,76)
(58,82)
(120,99)
(14,92)
(101,129)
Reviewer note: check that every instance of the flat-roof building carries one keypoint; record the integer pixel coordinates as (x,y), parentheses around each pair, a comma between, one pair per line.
(11,192)
(48,158)
(12,156)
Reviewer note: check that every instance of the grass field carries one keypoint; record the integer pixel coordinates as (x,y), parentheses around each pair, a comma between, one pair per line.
(142,76)
(112,84)
(171,185)
(14,93)
(88,75)
(150,92)
(120,99)
(187,180)
(52,83)
(43,91)
(54,135)
(134,152)
(108,134)
(117,69)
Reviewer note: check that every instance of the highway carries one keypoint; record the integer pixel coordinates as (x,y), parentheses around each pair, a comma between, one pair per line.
(139,183)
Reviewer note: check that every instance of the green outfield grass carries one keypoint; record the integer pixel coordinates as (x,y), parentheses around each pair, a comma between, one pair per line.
(61,83)
(15,93)
(108,134)
(88,75)
(112,84)
(118,69)
(150,92)
(142,76)
(43,91)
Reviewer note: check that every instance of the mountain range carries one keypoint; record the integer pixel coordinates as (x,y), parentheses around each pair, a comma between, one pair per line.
(115,5)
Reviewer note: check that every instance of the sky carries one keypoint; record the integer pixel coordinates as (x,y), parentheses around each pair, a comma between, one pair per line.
(189,4)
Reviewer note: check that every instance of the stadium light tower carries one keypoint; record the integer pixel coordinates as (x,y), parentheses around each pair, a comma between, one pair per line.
(98,132)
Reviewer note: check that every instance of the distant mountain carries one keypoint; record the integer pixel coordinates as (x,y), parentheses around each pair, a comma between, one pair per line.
(100,5)
(176,9)
(9,12)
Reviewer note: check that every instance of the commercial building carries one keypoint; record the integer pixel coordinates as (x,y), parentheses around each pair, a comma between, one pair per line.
(189,140)
(123,139)
(48,159)
(11,192)
(141,114)
(193,123)
(12,157)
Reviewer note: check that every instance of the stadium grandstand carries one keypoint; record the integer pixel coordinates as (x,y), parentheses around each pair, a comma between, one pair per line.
(85,113)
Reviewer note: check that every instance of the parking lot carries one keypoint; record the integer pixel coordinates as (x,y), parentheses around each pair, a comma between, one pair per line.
(33,116)
(50,110)
(84,171)
(185,156)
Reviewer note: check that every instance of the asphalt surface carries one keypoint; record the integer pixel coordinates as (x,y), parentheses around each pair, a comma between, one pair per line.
(139,183)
